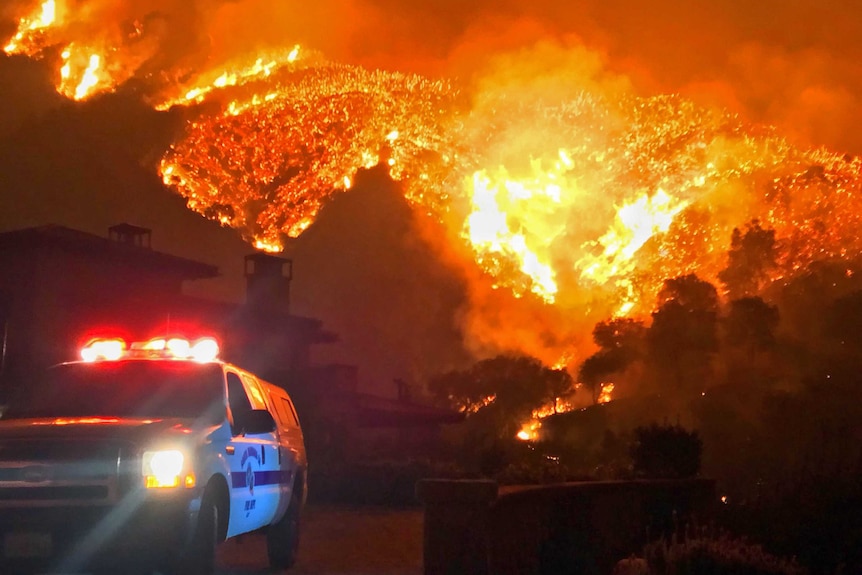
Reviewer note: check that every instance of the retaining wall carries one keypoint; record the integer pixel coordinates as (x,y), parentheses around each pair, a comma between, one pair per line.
(474,527)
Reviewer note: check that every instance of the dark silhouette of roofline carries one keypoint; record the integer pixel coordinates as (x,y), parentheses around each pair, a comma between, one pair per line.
(71,240)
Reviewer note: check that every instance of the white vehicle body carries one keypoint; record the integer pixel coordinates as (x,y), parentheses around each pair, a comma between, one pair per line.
(95,467)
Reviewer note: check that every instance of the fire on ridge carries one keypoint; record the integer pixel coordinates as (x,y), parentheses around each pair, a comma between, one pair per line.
(578,201)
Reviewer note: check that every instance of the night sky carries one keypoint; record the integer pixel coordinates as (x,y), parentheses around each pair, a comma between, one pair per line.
(363,267)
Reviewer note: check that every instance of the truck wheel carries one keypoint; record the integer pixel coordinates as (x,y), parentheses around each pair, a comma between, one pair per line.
(199,556)
(282,538)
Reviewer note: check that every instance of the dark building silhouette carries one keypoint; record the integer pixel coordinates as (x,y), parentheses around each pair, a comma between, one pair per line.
(61,287)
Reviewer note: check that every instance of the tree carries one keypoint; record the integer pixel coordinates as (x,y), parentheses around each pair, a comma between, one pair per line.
(621,342)
(684,332)
(750,324)
(751,258)
(506,388)
(843,318)
(689,292)
(622,336)
(597,369)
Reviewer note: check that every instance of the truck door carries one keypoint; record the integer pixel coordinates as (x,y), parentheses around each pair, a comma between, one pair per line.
(291,443)
(253,461)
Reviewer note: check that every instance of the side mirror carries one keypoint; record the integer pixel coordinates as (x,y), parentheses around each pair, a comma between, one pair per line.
(255,422)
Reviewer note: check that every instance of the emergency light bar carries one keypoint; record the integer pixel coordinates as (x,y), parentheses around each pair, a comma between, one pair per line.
(202,350)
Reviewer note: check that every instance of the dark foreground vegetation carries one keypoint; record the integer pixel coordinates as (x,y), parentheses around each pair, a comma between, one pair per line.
(755,383)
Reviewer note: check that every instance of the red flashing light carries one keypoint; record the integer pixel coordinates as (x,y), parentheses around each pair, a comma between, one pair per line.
(107,349)
(202,350)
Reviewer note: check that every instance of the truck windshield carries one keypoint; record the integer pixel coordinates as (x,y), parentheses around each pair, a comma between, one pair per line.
(122,389)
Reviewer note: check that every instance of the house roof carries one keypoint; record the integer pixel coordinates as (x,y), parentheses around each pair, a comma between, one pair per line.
(54,236)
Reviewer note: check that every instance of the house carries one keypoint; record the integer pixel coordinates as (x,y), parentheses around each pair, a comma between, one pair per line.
(60,287)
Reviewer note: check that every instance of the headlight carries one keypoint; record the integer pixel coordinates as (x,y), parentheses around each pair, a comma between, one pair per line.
(166,469)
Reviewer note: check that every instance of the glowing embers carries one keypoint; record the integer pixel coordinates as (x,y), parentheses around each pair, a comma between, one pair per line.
(517,219)
(82,73)
(83,69)
(203,350)
(529,431)
(269,160)
(234,74)
(636,222)
(30,28)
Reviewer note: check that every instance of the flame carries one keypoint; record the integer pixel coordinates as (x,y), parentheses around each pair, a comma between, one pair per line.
(483,402)
(496,204)
(79,81)
(82,72)
(327,121)
(606,394)
(577,200)
(529,431)
(30,27)
(238,73)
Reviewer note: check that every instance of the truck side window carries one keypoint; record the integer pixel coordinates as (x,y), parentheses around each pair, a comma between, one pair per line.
(237,400)
(288,407)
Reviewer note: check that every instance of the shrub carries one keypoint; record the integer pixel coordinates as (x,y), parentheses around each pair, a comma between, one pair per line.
(665,451)
(715,555)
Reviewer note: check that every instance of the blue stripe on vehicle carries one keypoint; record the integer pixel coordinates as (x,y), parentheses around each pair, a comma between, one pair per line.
(261,478)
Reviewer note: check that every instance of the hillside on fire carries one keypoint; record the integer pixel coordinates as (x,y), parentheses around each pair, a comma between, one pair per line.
(621,240)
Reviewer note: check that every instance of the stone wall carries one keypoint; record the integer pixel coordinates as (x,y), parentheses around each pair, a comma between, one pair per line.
(476,527)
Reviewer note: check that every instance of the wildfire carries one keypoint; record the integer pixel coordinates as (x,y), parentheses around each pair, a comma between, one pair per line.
(606,394)
(577,200)
(530,429)
(239,73)
(80,74)
(31,27)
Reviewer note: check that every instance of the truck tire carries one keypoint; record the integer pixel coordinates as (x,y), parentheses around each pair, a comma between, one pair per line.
(199,556)
(282,538)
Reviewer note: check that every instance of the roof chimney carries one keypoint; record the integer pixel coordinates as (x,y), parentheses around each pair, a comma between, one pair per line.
(132,235)
(268,282)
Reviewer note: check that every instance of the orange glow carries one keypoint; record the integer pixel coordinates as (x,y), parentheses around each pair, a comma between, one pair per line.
(79,85)
(606,394)
(81,421)
(235,74)
(29,28)
(188,481)
(479,405)
(529,431)
(565,197)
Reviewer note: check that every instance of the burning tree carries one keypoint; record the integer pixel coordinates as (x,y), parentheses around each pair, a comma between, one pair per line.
(621,343)
(752,259)
(502,391)
(556,184)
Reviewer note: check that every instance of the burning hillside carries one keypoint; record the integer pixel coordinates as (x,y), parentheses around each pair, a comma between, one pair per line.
(573,196)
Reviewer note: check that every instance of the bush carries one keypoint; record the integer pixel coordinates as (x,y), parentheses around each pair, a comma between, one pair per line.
(665,451)
(715,555)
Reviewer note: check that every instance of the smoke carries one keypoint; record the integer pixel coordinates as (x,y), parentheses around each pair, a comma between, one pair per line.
(796,66)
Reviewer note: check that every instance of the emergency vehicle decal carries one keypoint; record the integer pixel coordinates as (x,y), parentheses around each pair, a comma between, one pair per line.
(247,479)
(252,477)
(259,478)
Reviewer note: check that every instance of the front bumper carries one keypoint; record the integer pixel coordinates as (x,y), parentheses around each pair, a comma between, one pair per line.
(141,529)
